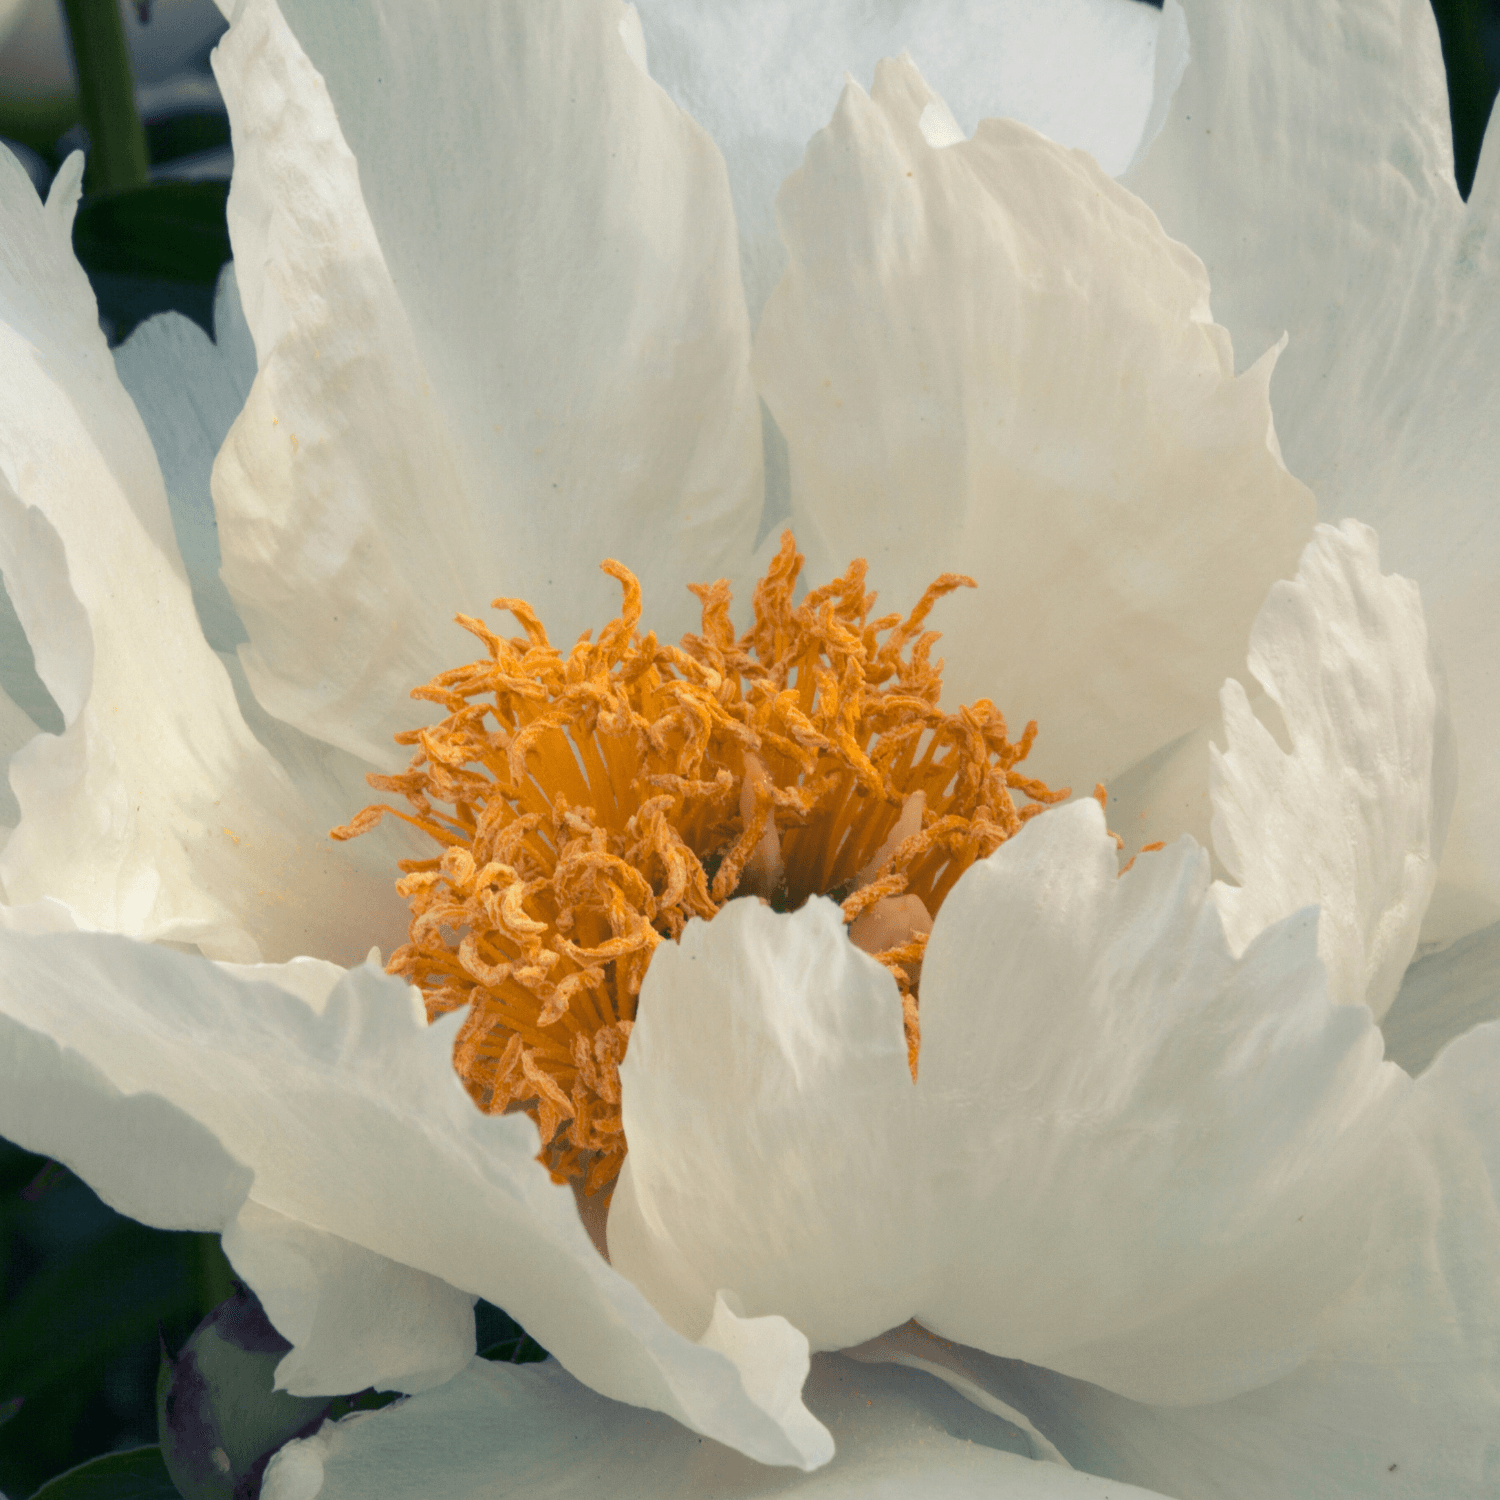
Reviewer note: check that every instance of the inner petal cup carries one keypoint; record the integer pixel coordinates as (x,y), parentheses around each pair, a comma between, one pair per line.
(1142,1146)
(1127,1155)
(590,806)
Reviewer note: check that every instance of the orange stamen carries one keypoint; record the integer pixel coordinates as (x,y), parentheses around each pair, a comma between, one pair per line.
(588,806)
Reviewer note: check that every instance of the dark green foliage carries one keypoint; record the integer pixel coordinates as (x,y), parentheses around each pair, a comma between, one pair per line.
(132,1474)
(1462,24)
(106,94)
(174,230)
(498,1337)
(82,1293)
(153,249)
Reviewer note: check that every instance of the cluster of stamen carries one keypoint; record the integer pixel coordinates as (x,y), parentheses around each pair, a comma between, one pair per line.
(588,805)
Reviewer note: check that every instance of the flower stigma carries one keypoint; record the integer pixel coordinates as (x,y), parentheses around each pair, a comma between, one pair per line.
(588,805)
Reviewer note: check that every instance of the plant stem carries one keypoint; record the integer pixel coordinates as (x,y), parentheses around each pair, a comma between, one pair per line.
(106,92)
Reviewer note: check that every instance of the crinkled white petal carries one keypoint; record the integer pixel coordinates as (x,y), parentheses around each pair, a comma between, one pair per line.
(502,1430)
(189,389)
(1158,1070)
(772,1128)
(491,276)
(1350,816)
(1129,1154)
(1307,157)
(987,358)
(1443,996)
(154,811)
(762,78)
(141,1152)
(1193,1137)
(179,1088)
(1402,1394)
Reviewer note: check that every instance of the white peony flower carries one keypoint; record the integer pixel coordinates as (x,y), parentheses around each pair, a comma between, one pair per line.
(1158,1203)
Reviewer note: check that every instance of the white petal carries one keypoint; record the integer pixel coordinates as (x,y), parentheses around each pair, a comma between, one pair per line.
(501,1430)
(1351,816)
(354,1317)
(769,1109)
(16,728)
(330,782)
(1443,996)
(988,358)
(762,78)
(353,1123)
(154,812)
(509,343)
(189,389)
(18,674)
(1307,158)
(141,1152)
(1165,795)
(1402,1396)
(1193,1136)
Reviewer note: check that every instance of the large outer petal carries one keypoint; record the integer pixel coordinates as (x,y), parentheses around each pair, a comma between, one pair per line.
(507,343)
(154,812)
(503,1430)
(1130,1155)
(338,1110)
(1307,158)
(986,357)
(1402,1394)
(189,390)
(354,1317)
(762,77)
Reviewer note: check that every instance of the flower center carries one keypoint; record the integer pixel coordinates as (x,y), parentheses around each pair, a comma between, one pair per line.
(588,805)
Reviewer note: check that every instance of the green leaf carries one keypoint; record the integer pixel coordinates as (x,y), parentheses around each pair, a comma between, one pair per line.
(133,1474)
(86,1307)
(172,230)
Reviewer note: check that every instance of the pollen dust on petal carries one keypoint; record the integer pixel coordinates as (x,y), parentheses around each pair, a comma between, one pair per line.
(587,806)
